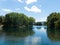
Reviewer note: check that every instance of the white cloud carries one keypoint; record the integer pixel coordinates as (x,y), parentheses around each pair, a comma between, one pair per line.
(20,1)
(6,10)
(33,9)
(30,1)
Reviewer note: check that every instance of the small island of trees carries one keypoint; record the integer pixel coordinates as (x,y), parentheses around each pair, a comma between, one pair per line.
(16,20)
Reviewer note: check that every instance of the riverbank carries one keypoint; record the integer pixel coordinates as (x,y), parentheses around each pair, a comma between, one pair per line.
(1,27)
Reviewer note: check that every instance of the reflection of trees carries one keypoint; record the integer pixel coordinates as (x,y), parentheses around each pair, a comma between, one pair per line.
(22,32)
(53,34)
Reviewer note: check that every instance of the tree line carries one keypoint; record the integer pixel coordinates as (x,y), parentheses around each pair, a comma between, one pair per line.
(53,20)
(14,19)
(40,23)
(20,19)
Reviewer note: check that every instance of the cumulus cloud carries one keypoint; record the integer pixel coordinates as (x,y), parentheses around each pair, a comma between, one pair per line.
(6,10)
(20,1)
(33,9)
(30,1)
(10,10)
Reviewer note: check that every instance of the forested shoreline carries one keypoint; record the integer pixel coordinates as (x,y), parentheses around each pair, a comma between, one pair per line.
(16,19)
(53,20)
(16,22)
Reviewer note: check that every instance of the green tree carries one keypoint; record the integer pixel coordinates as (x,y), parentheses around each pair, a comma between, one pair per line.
(57,24)
(52,18)
(31,20)
(0,19)
(18,19)
(38,23)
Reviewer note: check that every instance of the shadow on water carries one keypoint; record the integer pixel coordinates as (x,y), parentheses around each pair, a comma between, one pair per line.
(38,27)
(16,31)
(16,35)
(41,27)
(54,35)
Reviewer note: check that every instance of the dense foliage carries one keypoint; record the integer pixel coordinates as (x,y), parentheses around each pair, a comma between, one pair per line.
(0,19)
(53,20)
(38,23)
(17,19)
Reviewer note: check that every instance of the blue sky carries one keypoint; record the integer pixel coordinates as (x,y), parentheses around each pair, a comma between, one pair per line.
(39,9)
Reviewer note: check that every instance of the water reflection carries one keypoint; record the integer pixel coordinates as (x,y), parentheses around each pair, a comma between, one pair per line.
(38,27)
(30,36)
(41,27)
(32,41)
(22,32)
(54,35)
(15,36)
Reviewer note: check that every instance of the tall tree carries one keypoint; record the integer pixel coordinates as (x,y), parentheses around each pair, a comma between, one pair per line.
(53,19)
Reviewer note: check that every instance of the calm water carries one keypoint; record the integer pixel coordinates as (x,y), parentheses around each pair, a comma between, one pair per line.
(39,36)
